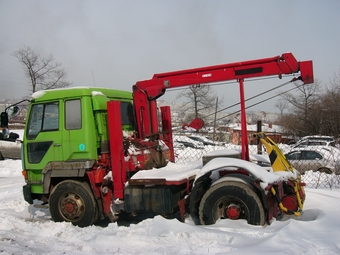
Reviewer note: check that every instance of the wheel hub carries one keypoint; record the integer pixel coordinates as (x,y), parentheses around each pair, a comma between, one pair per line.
(233,212)
(72,207)
(69,207)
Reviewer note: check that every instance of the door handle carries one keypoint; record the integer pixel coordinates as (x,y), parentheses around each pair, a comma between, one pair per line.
(57,144)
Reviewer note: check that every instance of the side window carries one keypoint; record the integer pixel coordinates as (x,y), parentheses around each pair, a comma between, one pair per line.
(303,144)
(318,143)
(43,117)
(73,114)
(311,155)
(51,117)
(318,156)
(293,156)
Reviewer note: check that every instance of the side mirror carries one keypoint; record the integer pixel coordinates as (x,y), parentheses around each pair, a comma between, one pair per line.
(4,120)
(10,112)
(13,111)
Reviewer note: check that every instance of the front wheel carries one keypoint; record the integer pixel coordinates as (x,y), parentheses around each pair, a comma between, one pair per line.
(233,200)
(73,201)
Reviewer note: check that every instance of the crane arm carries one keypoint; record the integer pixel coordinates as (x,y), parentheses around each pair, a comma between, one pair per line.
(278,65)
(146,92)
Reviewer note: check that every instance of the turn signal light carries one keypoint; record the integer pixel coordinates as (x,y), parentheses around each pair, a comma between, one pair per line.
(24,173)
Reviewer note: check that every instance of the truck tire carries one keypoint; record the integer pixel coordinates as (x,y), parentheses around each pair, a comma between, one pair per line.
(1,157)
(74,202)
(231,199)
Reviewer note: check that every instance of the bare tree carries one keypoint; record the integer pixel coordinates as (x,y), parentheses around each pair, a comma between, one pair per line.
(335,82)
(304,105)
(329,108)
(306,95)
(44,73)
(200,101)
(281,105)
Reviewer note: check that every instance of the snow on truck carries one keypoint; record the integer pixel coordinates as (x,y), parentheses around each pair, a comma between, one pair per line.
(93,153)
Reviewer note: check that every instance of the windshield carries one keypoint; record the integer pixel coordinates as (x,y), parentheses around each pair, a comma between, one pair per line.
(43,117)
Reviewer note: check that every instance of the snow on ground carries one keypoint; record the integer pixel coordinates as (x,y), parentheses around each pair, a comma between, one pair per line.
(316,231)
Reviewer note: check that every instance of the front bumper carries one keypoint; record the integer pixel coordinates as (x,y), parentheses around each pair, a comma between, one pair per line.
(26,190)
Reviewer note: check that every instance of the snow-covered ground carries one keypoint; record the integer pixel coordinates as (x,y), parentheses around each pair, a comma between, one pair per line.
(27,230)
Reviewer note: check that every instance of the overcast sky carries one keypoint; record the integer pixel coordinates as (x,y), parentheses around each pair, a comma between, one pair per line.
(116,43)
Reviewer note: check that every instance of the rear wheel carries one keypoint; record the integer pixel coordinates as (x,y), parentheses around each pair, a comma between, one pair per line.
(73,201)
(325,170)
(233,200)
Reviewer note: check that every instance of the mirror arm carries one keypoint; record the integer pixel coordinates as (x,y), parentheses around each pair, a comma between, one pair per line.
(17,103)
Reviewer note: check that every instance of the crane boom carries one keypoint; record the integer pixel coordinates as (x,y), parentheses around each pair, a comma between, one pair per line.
(147,91)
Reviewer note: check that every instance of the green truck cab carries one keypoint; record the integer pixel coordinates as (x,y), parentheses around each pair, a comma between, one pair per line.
(65,133)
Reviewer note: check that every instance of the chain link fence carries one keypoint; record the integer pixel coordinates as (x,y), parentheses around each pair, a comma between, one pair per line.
(319,166)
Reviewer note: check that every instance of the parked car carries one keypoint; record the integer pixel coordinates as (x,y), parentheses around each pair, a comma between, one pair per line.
(310,141)
(317,140)
(10,146)
(318,137)
(179,146)
(314,142)
(187,142)
(203,140)
(316,158)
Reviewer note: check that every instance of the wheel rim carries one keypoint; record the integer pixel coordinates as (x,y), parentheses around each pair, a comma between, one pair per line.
(71,206)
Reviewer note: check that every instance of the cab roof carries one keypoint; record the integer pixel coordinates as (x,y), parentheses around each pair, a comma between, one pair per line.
(45,95)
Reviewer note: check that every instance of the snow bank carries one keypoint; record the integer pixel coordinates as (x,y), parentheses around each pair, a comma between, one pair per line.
(316,231)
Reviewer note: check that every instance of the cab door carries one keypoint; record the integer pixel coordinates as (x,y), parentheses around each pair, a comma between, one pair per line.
(79,131)
(43,143)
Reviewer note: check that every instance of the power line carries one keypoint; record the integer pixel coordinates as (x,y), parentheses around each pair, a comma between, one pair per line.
(262,93)
(297,86)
